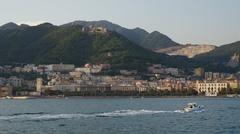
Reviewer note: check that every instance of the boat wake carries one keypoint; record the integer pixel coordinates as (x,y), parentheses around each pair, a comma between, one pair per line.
(120,113)
(46,116)
(199,111)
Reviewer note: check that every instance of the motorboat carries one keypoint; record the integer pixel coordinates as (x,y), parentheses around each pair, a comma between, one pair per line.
(193,107)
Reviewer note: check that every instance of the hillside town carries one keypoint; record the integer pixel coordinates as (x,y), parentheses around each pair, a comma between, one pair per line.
(104,80)
(93,80)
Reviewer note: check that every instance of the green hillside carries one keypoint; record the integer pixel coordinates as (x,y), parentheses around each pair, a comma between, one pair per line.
(152,41)
(219,57)
(156,40)
(47,44)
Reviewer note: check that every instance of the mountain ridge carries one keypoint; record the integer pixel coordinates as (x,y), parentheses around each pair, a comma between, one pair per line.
(136,35)
(220,56)
(154,41)
(48,44)
(157,40)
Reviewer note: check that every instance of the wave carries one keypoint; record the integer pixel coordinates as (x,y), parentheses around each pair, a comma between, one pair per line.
(47,116)
(199,111)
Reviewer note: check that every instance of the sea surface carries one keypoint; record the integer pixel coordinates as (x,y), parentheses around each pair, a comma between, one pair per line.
(119,116)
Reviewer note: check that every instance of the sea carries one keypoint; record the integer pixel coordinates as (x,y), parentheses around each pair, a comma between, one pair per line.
(117,115)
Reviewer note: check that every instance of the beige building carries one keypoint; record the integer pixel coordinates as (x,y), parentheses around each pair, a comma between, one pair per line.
(64,87)
(211,88)
(76,74)
(81,87)
(83,69)
(94,88)
(39,85)
(233,83)
(5,91)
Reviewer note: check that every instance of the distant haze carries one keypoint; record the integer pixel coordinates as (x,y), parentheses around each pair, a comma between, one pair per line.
(185,21)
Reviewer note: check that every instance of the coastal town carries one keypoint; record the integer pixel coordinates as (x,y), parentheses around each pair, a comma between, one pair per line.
(98,80)
(46,80)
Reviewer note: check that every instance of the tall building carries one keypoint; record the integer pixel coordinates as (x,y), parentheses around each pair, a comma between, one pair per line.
(39,85)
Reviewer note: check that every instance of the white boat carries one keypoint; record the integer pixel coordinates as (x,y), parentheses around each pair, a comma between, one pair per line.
(193,107)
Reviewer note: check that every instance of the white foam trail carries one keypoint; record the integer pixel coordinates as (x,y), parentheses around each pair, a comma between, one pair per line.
(117,113)
(133,112)
(199,111)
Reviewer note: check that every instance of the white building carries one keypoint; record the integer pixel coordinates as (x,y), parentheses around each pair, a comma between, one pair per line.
(123,87)
(15,82)
(61,67)
(211,88)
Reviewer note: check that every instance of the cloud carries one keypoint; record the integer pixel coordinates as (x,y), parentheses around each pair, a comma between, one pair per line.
(31,23)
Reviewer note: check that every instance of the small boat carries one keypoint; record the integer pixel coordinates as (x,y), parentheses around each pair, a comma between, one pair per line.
(192,107)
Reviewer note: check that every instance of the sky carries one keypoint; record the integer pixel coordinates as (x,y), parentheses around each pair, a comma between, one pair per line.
(215,22)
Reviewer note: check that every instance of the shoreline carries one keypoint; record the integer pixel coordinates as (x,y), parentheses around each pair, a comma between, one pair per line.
(107,97)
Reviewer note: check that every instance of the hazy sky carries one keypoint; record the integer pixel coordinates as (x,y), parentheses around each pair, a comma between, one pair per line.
(185,21)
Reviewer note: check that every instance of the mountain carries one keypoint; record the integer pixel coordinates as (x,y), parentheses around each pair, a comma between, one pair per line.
(9,26)
(188,50)
(152,41)
(47,44)
(222,56)
(156,40)
(135,35)
(12,26)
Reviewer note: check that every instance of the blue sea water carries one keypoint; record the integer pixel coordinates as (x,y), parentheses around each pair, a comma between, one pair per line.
(119,116)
